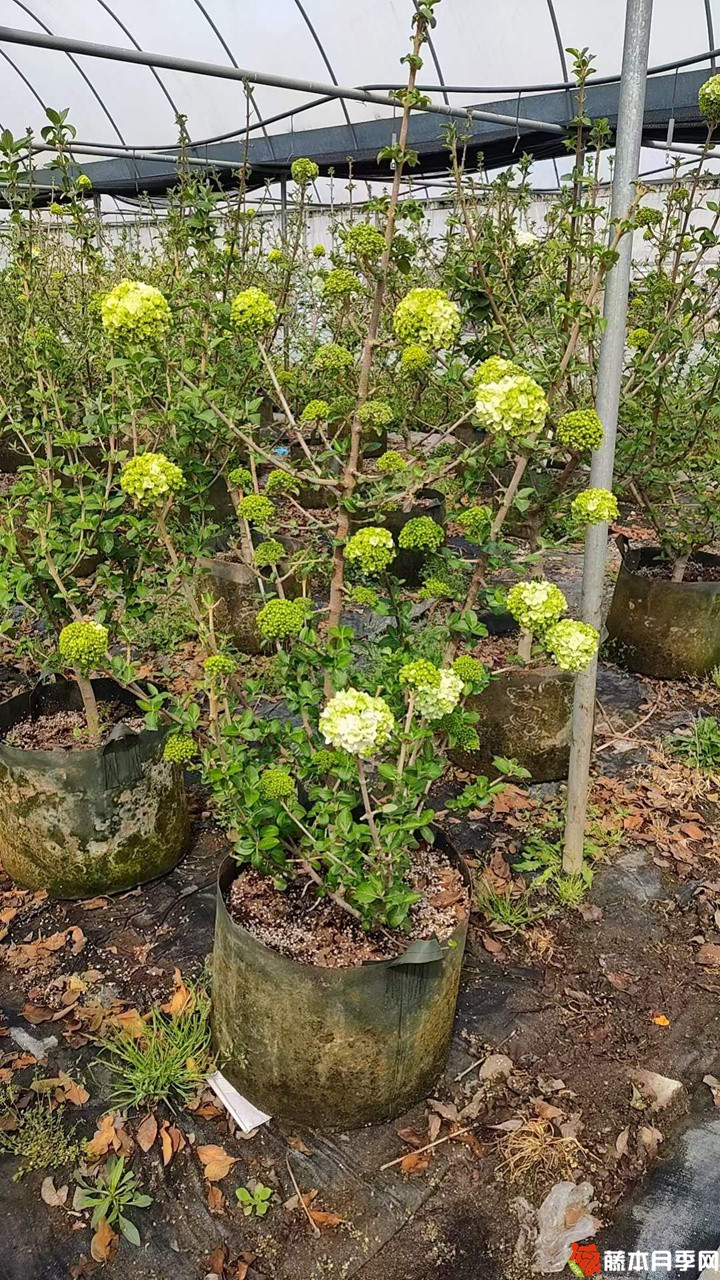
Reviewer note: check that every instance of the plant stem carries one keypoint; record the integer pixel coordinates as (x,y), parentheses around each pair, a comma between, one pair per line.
(87,694)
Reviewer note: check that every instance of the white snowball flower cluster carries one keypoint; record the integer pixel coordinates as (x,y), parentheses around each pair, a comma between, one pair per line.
(516,404)
(525,239)
(435,703)
(356,722)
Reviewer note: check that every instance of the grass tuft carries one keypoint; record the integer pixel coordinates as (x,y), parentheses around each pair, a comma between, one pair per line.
(167,1063)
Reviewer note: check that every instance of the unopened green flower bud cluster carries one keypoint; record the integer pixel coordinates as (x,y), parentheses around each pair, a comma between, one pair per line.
(83,645)
(580,429)
(135,311)
(252,312)
(151,478)
(595,506)
(422,533)
(282,619)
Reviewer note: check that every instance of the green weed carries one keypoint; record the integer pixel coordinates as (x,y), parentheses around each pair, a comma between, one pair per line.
(166,1064)
(113,1191)
(698,746)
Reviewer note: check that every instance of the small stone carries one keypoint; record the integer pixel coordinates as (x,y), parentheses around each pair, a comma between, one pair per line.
(495,1066)
(33,1044)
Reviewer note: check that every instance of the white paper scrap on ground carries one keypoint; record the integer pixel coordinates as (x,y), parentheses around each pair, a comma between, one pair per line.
(247,1116)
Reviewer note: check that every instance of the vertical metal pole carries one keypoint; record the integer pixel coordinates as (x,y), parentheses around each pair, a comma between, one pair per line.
(610,367)
(284,232)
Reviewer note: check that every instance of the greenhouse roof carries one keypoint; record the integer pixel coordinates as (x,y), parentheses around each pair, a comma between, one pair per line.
(516,65)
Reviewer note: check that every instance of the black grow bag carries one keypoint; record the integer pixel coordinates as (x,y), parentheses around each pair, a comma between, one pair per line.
(88,820)
(331,1048)
(662,628)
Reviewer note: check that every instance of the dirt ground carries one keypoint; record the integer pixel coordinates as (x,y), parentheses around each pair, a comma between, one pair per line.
(579,1000)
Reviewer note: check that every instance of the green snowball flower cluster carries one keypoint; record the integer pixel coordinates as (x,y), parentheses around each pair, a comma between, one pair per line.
(709,100)
(151,478)
(356,722)
(580,429)
(332,359)
(219,665)
(416,360)
(639,338)
(365,241)
(595,506)
(282,619)
(516,405)
(281,482)
(256,509)
(435,589)
(83,645)
(390,463)
(536,605)
(304,171)
(422,533)
(315,411)
(269,553)
(420,674)
(276,255)
(648,217)
(252,312)
(364,595)
(470,670)
(495,368)
(83,182)
(277,784)
(375,413)
(476,523)
(464,736)
(434,703)
(318,251)
(137,311)
(571,644)
(241,479)
(180,748)
(324,760)
(427,317)
(371,549)
(341,282)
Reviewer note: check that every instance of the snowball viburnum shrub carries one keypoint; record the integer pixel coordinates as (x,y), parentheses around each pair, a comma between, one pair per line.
(277,784)
(580,429)
(536,605)
(282,619)
(370,549)
(595,506)
(134,310)
(422,533)
(83,645)
(709,99)
(252,312)
(572,645)
(516,405)
(180,748)
(356,722)
(256,509)
(427,317)
(151,478)
(304,171)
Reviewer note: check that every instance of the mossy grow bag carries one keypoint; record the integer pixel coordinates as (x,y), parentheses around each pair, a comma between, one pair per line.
(331,1048)
(88,820)
(662,628)
(525,715)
